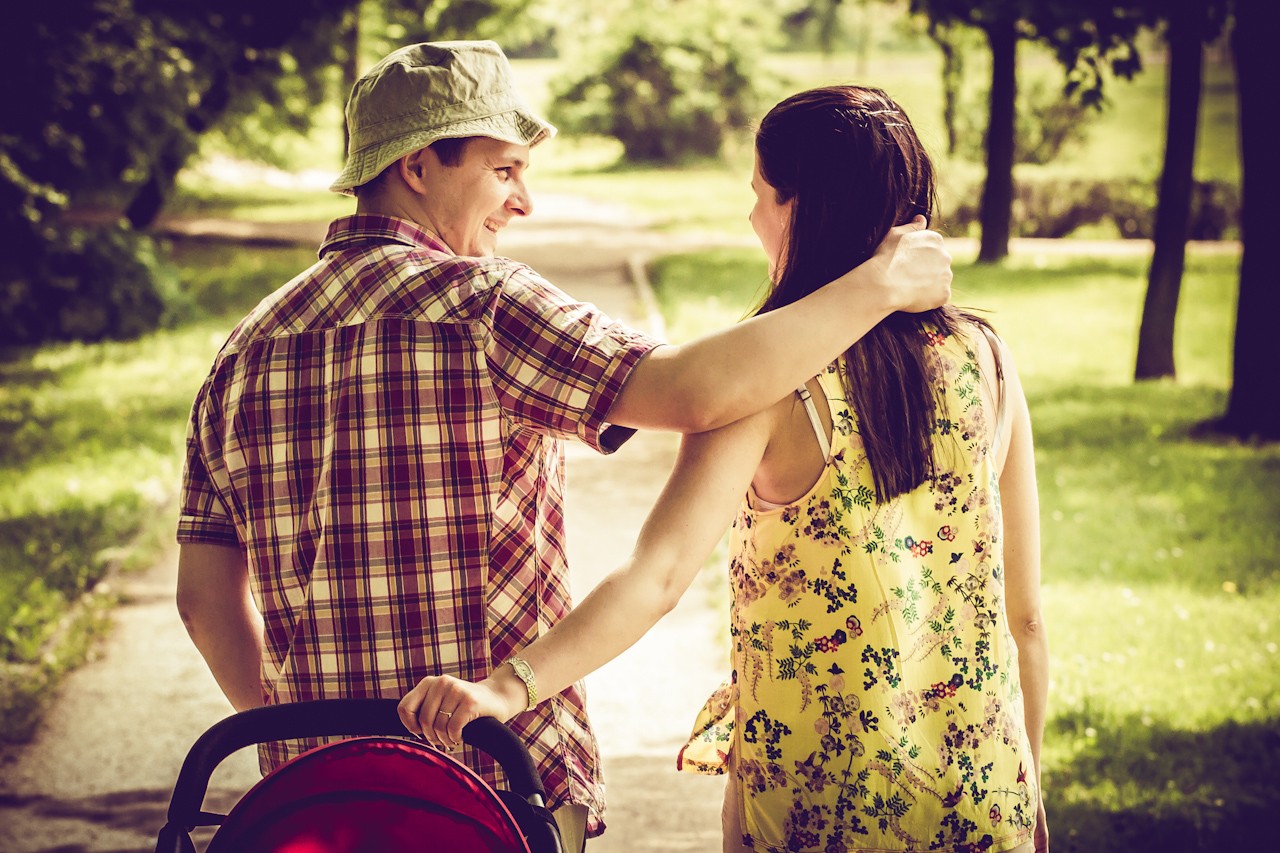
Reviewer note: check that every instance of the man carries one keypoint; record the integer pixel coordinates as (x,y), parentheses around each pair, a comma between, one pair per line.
(374,481)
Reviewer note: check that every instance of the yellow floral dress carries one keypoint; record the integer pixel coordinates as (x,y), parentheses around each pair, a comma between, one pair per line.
(875,700)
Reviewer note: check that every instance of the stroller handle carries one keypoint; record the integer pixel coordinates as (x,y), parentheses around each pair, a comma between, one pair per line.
(329,717)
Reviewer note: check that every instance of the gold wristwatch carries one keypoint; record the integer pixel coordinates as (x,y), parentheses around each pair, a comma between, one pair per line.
(525,673)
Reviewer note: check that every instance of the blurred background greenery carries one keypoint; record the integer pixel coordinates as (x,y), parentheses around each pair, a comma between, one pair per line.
(1160,532)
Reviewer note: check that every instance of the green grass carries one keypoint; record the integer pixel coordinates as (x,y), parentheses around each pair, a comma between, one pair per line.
(1161,589)
(91,440)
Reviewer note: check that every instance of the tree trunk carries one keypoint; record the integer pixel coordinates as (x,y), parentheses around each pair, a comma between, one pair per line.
(1173,201)
(997,194)
(350,64)
(1252,409)
(952,73)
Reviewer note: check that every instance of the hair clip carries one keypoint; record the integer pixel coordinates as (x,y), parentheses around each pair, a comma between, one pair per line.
(865,114)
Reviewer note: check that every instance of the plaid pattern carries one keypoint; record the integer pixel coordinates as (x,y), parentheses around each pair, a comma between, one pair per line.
(382,436)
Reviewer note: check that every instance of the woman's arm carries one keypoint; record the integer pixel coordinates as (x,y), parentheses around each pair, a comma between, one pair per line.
(1021,511)
(711,474)
(733,373)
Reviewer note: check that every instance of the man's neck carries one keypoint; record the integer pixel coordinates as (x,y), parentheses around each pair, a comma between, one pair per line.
(381,205)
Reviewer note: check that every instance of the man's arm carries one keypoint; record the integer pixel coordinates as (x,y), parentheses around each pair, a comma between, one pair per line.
(730,374)
(218,610)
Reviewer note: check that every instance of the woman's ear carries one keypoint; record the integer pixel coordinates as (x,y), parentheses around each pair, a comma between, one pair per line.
(787,211)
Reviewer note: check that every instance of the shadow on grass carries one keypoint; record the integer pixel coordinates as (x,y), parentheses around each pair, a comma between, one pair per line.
(1138,787)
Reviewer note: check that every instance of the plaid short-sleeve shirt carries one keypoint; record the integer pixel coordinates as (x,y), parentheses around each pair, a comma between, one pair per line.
(383,438)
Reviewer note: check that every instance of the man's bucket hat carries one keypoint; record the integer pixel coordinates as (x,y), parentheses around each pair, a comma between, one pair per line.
(430,91)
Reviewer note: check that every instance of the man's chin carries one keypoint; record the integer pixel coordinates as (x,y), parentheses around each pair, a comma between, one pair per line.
(486,246)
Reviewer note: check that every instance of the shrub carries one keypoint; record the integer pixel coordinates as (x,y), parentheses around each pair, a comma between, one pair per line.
(1057,207)
(666,92)
(1047,123)
(86,284)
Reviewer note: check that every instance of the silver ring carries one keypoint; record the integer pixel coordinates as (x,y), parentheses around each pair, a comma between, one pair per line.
(445,713)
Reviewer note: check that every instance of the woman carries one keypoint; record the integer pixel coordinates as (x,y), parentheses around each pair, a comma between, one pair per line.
(889,659)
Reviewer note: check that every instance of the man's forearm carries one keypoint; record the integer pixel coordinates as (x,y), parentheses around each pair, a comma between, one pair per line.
(231,644)
(727,375)
(216,605)
(759,361)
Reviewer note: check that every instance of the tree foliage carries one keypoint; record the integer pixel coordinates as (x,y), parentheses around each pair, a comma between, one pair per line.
(1046,122)
(1087,36)
(520,26)
(669,79)
(104,103)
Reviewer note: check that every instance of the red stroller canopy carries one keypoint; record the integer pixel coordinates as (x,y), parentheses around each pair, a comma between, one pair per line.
(370,794)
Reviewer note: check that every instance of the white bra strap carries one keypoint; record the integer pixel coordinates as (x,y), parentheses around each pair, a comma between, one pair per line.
(823,443)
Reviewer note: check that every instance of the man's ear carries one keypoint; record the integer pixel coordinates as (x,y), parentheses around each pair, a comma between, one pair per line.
(413,169)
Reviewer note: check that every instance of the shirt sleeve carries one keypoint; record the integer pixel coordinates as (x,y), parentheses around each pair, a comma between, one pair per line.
(558,364)
(202,514)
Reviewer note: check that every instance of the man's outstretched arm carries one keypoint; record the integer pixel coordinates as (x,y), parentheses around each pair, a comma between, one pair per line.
(722,377)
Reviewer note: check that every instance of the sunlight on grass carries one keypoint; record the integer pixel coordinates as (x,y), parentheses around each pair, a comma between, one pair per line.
(202,197)
(1165,653)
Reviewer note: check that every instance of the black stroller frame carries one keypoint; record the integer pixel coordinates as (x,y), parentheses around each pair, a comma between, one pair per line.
(526,798)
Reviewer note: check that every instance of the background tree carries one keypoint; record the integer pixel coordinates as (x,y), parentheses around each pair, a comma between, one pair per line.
(949,39)
(1085,35)
(669,79)
(104,103)
(1187,26)
(998,20)
(1252,409)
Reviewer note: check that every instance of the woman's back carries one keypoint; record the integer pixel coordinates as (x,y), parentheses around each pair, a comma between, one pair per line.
(875,700)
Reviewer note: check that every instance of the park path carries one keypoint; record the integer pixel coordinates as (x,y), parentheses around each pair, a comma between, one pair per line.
(98,774)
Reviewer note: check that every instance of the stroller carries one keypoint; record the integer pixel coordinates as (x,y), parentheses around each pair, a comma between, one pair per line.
(375,792)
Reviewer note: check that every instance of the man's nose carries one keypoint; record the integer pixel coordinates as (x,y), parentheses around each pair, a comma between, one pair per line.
(521,201)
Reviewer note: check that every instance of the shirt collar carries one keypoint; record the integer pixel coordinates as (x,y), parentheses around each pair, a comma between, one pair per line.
(368,229)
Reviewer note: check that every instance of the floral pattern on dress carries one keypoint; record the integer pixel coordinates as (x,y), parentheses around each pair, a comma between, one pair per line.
(874,702)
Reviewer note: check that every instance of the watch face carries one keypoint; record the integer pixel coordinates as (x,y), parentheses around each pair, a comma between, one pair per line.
(525,673)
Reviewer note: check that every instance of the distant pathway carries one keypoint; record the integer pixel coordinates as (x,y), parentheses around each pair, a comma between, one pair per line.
(100,771)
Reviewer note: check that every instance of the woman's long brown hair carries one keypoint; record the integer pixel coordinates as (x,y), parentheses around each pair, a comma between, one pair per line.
(851,161)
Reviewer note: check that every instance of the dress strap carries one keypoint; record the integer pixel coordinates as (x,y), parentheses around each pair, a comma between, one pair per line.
(823,442)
